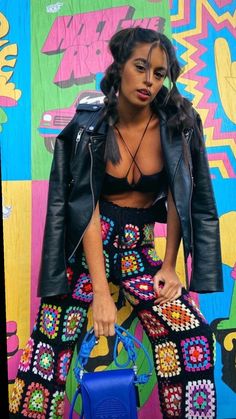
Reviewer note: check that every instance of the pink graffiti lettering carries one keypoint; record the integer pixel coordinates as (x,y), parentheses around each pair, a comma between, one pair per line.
(154,23)
(83,40)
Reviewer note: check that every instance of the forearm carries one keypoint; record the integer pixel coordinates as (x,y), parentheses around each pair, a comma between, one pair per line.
(93,249)
(173,234)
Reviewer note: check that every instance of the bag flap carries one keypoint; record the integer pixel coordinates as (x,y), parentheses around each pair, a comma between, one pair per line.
(109,392)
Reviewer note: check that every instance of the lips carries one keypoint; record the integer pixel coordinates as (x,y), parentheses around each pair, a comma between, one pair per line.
(144,92)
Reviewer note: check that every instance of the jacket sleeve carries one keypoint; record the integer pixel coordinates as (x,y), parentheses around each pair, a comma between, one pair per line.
(206,250)
(52,277)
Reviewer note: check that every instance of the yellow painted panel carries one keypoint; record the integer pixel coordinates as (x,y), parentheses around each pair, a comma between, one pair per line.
(17,254)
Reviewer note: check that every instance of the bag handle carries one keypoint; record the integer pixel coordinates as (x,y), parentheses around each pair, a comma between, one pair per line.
(127,339)
(88,343)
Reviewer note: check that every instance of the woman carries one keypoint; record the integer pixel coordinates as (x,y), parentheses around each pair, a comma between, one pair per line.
(117,169)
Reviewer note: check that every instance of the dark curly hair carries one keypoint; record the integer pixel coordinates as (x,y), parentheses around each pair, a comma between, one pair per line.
(177,108)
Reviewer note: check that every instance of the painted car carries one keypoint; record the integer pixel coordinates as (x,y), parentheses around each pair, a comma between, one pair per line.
(53,121)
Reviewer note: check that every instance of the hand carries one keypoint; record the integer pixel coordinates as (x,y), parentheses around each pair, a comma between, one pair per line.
(167,285)
(104,314)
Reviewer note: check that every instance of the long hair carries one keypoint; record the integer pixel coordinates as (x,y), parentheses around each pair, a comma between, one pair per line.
(177,108)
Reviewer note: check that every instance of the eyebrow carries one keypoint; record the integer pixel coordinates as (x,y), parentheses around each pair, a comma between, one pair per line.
(146,62)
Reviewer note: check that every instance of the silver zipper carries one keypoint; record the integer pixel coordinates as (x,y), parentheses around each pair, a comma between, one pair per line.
(91,187)
(78,138)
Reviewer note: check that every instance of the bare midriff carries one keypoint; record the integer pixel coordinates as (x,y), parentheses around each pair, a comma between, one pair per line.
(133,199)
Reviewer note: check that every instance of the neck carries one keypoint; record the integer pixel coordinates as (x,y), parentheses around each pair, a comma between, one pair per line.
(132,115)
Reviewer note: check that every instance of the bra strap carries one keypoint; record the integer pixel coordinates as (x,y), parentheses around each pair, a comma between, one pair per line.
(141,139)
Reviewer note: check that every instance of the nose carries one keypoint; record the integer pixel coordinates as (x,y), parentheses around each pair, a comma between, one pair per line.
(149,79)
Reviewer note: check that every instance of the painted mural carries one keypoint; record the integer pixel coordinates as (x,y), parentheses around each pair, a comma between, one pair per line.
(52,57)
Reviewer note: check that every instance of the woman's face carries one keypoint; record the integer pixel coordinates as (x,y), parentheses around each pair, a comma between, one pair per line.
(142,75)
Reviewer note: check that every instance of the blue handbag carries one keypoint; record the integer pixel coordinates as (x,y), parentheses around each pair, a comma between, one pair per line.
(110,393)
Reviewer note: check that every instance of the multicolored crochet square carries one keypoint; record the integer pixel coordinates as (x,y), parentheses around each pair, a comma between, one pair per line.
(43,364)
(151,256)
(167,359)
(131,263)
(196,353)
(141,287)
(57,405)
(153,327)
(107,226)
(73,321)
(49,320)
(83,289)
(130,237)
(177,315)
(200,399)
(63,365)
(171,396)
(36,401)
(148,234)
(26,356)
(194,306)
(16,395)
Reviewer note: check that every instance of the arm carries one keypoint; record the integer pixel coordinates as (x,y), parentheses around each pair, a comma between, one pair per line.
(104,309)
(172,285)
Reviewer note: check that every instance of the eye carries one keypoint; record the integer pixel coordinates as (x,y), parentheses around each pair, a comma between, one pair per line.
(140,67)
(159,75)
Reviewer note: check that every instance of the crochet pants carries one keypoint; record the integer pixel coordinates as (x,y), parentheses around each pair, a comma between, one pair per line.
(181,340)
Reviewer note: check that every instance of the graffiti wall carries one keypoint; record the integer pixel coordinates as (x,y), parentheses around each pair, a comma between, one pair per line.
(52,57)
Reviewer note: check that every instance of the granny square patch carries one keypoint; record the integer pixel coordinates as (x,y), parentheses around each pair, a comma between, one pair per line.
(131,236)
(72,324)
(83,289)
(200,399)
(36,401)
(196,353)
(148,233)
(63,365)
(57,405)
(131,263)
(194,306)
(43,364)
(153,327)
(49,320)
(107,226)
(177,315)
(151,256)
(16,395)
(171,396)
(26,356)
(167,359)
(141,287)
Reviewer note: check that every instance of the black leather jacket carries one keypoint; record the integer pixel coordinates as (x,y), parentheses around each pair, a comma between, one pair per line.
(76,178)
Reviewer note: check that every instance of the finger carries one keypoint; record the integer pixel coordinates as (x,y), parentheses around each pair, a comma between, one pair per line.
(177,295)
(100,329)
(105,329)
(111,331)
(95,327)
(167,296)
